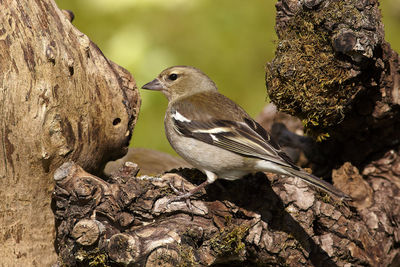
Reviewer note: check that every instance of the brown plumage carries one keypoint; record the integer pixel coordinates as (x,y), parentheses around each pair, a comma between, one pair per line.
(217,136)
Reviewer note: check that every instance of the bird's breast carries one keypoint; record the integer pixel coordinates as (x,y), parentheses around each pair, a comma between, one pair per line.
(226,164)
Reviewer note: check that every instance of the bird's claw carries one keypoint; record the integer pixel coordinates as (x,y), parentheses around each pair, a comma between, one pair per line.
(182,195)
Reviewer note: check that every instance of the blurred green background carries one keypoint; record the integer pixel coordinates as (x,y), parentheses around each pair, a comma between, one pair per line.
(230,40)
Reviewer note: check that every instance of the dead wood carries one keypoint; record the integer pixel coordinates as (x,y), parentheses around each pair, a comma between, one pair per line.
(254,221)
(60,100)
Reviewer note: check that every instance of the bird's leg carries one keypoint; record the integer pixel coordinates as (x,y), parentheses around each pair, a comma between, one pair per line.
(188,204)
(187,195)
(211,177)
(175,189)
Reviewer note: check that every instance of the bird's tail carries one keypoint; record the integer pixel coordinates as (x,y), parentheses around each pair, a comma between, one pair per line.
(315,181)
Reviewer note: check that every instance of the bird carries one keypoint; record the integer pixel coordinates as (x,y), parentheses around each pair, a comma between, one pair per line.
(217,136)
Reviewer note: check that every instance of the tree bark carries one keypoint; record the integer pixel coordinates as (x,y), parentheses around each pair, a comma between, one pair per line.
(334,70)
(60,100)
(128,221)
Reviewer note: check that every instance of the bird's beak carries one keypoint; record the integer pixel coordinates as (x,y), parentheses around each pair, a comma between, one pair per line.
(154,85)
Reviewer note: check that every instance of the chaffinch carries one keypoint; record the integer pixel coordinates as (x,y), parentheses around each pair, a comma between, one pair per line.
(217,136)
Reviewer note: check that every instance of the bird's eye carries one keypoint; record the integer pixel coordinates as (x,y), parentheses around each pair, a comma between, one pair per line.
(173,76)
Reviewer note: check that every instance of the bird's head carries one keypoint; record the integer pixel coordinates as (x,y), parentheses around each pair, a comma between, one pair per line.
(180,81)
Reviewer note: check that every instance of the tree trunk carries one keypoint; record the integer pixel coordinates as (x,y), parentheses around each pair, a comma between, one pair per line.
(60,100)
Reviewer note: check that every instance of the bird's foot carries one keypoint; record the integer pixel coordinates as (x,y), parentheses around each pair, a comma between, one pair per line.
(185,195)
(182,195)
(179,186)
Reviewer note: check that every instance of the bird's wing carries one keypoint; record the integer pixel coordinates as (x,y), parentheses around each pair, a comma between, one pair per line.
(243,136)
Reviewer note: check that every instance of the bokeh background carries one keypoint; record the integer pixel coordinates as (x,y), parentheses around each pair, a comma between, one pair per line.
(230,40)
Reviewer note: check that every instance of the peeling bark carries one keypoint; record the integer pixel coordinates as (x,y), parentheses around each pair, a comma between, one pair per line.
(257,220)
(60,100)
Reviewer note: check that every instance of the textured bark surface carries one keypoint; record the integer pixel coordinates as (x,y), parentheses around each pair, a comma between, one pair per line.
(343,80)
(257,220)
(60,100)
(335,71)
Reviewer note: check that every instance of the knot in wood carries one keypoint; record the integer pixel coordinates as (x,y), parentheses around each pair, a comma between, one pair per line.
(344,41)
(63,171)
(83,190)
(163,257)
(86,232)
(123,249)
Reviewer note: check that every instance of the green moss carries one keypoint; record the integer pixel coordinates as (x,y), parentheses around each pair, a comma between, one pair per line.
(305,78)
(166,191)
(95,258)
(326,198)
(187,258)
(229,241)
